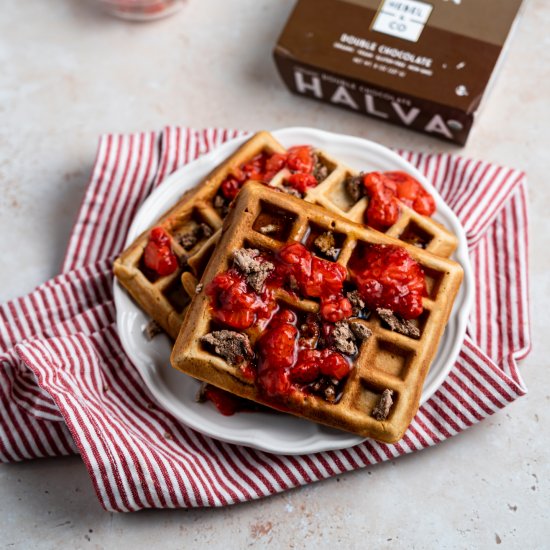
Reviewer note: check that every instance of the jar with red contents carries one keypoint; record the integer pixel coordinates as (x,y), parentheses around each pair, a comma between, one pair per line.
(141,10)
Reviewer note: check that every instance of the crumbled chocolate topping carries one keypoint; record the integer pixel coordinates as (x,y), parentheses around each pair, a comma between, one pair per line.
(255,271)
(357,303)
(325,244)
(198,288)
(382,410)
(398,324)
(269,229)
(360,330)
(343,339)
(245,259)
(200,396)
(354,187)
(206,230)
(414,239)
(320,169)
(326,388)
(317,386)
(291,191)
(221,204)
(309,332)
(189,240)
(330,393)
(152,329)
(233,346)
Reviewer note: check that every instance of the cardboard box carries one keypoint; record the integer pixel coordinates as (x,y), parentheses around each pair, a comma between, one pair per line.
(425,65)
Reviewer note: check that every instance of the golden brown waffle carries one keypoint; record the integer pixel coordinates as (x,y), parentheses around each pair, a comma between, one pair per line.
(161,297)
(386,360)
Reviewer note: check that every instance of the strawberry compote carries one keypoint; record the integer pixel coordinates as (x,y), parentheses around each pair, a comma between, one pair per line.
(410,192)
(158,255)
(388,277)
(262,168)
(226,403)
(315,278)
(301,163)
(299,160)
(384,189)
(286,364)
(290,355)
(235,304)
(296,353)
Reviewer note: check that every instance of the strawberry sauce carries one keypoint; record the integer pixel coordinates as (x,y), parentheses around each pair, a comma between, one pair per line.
(235,304)
(296,352)
(158,255)
(299,160)
(289,355)
(384,189)
(388,277)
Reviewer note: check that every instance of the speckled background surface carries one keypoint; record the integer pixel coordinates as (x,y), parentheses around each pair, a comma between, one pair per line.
(68,74)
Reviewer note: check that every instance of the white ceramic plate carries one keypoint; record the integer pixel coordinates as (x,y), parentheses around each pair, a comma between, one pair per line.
(272,432)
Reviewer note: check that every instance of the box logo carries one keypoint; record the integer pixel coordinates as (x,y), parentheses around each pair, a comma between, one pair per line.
(402,18)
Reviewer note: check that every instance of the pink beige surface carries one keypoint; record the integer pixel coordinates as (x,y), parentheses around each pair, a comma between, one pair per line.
(70,74)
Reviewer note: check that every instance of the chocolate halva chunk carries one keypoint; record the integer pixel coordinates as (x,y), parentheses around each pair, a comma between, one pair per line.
(205,230)
(397,324)
(191,238)
(343,339)
(357,303)
(354,187)
(233,346)
(360,330)
(326,388)
(221,204)
(382,410)
(291,191)
(330,393)
(188,240)
(325,243)
(152,329)
(310,331)
(256,271)
(347,335)
(320,169)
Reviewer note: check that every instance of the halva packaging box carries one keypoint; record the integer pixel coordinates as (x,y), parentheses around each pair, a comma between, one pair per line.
(425,65)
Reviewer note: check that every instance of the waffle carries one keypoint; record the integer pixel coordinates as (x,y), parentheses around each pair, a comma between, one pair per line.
(161,297)
(386,362)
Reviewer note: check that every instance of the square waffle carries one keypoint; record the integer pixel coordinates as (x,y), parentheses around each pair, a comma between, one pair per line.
(161,297)
(387,362)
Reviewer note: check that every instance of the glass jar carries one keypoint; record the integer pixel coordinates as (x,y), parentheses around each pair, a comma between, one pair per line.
(141,10)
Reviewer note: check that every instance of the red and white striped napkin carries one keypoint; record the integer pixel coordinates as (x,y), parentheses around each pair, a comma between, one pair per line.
(67,387)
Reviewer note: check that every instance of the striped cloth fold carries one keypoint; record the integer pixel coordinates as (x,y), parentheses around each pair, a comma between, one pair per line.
(67,387)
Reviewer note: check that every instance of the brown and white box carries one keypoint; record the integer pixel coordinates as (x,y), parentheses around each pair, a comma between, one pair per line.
(425,65)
